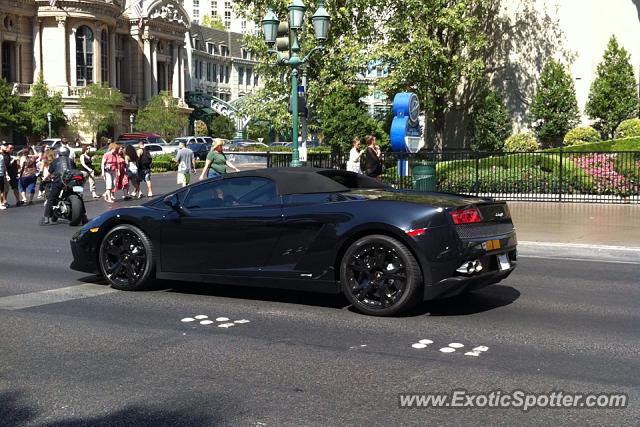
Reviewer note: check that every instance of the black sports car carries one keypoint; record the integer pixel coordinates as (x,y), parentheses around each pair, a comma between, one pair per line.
(308,229)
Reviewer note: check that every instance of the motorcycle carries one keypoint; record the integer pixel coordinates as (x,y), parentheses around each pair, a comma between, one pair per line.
(70,205)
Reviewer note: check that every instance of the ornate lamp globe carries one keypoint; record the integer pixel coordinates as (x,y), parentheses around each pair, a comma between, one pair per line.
(320,21)
(270,27)
(296,14)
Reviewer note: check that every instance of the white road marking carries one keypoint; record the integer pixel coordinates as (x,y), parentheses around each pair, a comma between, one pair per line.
(241,321)
(225,325)
(222,319)
(425,341)
(187,319)
(481,348)
(472,353)
(456,345)
(206,322)
(53,296)
(201,316)
(418,345)
(447,350)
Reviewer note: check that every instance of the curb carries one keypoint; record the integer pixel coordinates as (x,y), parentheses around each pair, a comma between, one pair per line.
(593,252)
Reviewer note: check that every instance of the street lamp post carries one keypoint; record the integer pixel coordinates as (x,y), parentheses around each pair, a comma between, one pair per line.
(270,24)
(49,117)
(131,117)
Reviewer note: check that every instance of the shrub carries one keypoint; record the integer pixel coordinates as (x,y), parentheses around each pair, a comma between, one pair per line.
(521,142)
(581,135)
(628,128)
(554,109)
(490,123)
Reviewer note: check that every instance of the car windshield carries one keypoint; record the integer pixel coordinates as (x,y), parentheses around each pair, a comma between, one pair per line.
(176,141)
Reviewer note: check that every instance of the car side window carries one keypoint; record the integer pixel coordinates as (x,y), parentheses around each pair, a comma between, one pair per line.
(233,192)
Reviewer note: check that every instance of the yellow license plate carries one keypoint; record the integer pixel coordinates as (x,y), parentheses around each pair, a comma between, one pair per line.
(492,245)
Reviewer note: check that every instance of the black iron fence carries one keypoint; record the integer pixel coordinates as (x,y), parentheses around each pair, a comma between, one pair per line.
(564,176)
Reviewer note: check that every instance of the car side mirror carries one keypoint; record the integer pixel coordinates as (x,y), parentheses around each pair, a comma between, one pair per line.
(174,203)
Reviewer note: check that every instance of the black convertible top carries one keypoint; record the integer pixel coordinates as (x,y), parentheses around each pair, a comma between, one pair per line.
(307,180)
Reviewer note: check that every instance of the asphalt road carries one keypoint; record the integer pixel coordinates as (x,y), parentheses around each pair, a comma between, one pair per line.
(119,358)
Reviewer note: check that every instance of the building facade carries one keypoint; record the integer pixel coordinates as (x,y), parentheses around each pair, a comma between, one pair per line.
(220,65)
(76,43)
(222,9)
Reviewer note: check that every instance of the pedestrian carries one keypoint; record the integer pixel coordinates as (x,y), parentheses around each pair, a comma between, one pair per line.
(353,164)
(87,170)
(72,154)
(47,158)
(131,160)
(373,162)
(108,168)
(216,163)
(186,164)
(3,179)
(11,173)
(144,167)
(27,176)
(122,180)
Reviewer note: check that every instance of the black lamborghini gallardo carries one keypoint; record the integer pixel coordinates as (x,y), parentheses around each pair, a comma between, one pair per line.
(307,229)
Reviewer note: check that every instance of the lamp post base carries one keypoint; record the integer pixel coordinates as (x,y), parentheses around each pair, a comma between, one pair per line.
(296,164)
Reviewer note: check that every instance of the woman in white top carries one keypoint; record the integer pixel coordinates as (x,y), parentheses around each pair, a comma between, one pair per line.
(353,165)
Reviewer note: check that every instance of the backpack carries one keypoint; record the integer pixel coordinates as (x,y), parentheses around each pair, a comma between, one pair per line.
(145,159)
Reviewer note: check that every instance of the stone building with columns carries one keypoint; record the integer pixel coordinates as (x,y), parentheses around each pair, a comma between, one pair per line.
(79,42)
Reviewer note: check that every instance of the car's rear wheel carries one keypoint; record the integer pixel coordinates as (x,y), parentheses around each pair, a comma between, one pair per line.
(380,276)
(126,258)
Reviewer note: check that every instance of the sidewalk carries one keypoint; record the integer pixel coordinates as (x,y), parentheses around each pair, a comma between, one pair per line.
(579,230)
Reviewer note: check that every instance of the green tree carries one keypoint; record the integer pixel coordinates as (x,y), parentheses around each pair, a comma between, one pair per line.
(213,22)
(162,115)
(200,128)
(12,114)
(432,46)
(98,109)
(37,107)
(222,127)
(613,96)
(554,110)
(343,116)
(490,124)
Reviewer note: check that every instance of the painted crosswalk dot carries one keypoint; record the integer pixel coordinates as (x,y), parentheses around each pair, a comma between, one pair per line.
(451,347)
(222,322)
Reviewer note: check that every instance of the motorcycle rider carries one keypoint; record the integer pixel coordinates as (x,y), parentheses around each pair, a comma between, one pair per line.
(58,167)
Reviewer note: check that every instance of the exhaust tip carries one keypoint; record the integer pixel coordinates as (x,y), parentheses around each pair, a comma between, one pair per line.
(470,267)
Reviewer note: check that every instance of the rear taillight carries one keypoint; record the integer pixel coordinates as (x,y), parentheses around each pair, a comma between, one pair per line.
(466,216)
(77,177)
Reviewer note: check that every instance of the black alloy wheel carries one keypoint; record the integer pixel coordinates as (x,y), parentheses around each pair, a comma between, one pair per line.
(380,276)
(126,258)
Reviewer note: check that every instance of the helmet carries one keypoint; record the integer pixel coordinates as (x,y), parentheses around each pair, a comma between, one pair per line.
(63,151)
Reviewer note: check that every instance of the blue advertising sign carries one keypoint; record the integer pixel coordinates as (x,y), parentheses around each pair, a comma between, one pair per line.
(406,109)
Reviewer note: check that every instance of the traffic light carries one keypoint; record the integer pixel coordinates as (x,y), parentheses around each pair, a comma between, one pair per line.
(302,105)
(283,42)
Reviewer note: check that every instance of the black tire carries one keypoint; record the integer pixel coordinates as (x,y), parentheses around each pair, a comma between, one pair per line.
(126,258)
(380,276)
(76,210)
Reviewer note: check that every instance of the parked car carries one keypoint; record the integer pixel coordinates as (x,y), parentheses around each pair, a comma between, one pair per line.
(243,143)
(153,138)
(279,144)
(172,147)
(386,250)
(200,150)
(154,149)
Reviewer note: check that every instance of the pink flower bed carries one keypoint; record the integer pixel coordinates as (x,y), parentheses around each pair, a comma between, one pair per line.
(601,168)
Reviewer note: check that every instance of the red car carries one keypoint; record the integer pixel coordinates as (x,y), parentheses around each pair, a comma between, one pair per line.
(153,138)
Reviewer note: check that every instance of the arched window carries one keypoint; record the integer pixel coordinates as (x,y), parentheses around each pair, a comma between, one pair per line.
(104,55)
(84,56)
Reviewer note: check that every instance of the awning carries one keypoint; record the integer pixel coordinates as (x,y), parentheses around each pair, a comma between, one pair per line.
(207,111)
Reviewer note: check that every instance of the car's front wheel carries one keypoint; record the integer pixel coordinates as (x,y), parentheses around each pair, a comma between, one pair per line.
(126,258)
(380,276)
